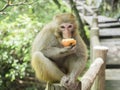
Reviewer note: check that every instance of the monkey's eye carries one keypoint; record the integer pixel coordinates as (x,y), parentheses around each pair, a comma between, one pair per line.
(70,26)
(62,27)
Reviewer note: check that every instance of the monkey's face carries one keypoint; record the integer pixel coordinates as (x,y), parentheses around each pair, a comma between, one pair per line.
(66,25)
(66,30)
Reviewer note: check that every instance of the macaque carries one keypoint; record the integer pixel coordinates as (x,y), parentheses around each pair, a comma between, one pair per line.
(54,62)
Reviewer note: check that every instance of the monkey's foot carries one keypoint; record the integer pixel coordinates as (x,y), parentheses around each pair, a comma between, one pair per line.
(70,83)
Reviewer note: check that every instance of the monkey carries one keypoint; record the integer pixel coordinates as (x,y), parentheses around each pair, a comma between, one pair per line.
(51,61)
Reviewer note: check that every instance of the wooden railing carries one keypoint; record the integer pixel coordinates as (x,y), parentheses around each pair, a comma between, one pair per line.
(98,55)
(94,78)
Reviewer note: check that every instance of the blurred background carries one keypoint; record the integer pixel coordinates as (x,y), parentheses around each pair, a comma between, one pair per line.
(20,21)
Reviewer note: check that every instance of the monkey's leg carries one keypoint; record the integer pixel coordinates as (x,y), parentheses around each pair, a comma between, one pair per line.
(45,69)
(75,67)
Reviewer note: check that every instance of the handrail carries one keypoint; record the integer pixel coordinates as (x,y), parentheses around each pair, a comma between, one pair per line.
(88,79)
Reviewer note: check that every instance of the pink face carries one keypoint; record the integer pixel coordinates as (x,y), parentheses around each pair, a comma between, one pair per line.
(67,30)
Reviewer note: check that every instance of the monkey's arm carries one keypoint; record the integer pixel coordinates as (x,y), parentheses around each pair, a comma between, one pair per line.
(56,53)
(76,66)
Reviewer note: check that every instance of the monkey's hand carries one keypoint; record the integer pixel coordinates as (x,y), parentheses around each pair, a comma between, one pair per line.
(70,83)
(69,49)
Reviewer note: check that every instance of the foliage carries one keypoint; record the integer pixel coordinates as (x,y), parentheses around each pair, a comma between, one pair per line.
(15,40)
(110,8)
(18,27)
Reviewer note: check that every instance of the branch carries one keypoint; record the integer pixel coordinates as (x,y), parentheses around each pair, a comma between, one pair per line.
(57,3)
(5,6)
(21,3)
(81,25)
(8,3)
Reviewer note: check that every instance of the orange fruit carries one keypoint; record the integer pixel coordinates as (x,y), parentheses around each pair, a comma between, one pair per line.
(68,42)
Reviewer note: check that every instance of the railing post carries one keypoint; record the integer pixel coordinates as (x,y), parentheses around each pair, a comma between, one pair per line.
(100,52)
(94,34)
(88,78)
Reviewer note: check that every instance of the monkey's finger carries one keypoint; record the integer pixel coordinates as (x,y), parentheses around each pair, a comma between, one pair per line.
(68,47)
(74,47)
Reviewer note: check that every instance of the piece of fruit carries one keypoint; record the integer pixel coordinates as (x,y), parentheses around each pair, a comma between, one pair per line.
(68,42)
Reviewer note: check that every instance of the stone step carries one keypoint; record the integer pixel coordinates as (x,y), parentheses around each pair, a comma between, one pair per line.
(112,79)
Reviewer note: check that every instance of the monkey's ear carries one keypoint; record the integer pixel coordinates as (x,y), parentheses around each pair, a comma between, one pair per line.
(56,16)
(72,15)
